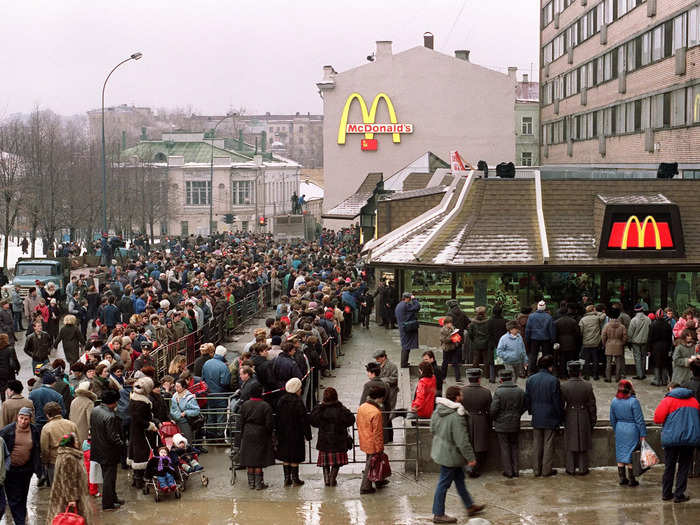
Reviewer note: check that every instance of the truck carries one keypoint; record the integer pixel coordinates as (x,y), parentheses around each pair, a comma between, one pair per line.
(28,271)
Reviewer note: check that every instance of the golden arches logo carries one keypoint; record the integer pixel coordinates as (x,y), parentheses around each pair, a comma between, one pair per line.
(641,231)
(369,128)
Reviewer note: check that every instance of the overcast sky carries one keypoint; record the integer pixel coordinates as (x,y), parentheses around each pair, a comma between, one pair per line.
(262,55)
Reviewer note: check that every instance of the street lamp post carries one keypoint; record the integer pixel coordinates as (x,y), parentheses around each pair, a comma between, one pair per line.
(135,56)
(211,173)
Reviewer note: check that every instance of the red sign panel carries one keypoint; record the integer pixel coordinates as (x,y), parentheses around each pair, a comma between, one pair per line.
(368,145)
(647,234)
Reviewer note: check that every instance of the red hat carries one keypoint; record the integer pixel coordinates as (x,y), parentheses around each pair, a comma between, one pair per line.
(348,280)
(328,315)
(652,316)
(441,321)
(285,320)
(37,281)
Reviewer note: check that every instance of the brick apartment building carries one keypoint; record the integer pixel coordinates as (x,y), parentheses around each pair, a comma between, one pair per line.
(620,83)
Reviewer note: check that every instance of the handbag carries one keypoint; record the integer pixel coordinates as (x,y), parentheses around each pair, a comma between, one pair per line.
(69,517)
(410,326)
(379,468)
(195,422)
(349,442)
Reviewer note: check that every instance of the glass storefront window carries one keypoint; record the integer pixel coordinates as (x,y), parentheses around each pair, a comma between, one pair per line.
(432,289)
(554,287)
(683,290)
(488,289)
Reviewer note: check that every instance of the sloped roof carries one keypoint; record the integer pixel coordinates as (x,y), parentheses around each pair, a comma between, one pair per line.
(412,194)
(197,152)
(350,207)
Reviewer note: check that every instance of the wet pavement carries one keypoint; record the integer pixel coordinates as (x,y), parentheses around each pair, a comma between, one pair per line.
(596,498)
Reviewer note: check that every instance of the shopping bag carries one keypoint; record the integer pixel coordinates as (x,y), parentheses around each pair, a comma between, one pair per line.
(648,457)
(379,468)
(69,517)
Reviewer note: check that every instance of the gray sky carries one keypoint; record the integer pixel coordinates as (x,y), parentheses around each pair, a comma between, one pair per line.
(263,55)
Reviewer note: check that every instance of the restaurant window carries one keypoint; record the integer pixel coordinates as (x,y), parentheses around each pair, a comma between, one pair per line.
(526,158)
(510,290)
(198,193)
(526,126)
(679,32)
(683,290)
(432,288)
(678,107)
(555,287)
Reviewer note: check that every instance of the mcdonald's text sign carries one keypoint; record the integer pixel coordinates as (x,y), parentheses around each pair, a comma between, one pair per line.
(368,126)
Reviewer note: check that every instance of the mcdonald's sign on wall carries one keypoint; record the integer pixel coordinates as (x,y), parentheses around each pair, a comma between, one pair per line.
(650,230)
(368,126)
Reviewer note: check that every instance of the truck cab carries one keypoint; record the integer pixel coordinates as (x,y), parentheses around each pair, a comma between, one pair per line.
(28,271)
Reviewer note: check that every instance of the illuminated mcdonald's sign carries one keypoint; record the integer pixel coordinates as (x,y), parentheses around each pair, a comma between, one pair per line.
(644,230)
(369,127)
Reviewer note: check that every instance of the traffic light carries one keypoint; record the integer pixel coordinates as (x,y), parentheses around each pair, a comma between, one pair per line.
(262,221)
(228,218)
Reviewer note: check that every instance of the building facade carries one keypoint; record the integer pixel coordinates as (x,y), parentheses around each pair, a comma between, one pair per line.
(244,188)
(381,116)
(620,82)
(527,120)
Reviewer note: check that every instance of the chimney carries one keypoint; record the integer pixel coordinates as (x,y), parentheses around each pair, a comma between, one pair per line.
(462,54)
(428,40)
(512,72)
(383,49)
(328,73)
(526,79)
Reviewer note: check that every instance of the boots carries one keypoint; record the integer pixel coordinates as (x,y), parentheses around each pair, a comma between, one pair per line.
(295,476)
(259,484)
(334,476)
(657,377)
(287,475)
(327,476)
(251,480)
(633,482)
(623,476)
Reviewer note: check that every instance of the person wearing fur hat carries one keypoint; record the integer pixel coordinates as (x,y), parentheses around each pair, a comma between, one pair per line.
(140,411)
(81,408)
(292,428)
(186,454)
(257,428)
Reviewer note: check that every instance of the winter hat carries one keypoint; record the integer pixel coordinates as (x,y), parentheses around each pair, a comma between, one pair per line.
(48,378)
(25,411)
(83,387)
(143,385)
(541,306)
(638,308)
(276,340)
(220,350)
(293,385)
(179,438)
(165,304)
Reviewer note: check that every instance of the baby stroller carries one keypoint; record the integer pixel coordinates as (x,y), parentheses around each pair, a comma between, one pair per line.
(170,435)
(150,478)
(232,435)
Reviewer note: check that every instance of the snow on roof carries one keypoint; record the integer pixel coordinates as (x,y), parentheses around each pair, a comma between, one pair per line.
(311,190)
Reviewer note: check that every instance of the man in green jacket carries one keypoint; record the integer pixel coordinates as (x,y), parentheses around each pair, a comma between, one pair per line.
(451,450)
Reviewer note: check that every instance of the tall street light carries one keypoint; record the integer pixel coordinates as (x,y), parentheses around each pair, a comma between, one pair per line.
(211,173)
(135,56)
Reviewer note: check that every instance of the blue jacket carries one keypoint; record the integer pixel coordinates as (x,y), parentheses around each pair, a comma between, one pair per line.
(680,416)
(544,393)
(349,299)
(188,405)
(216,375)
(139,305)
(111,315)
(540,327)
(511,349)
(42,395)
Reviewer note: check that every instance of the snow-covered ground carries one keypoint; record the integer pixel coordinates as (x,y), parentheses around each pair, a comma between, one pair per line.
(15,252)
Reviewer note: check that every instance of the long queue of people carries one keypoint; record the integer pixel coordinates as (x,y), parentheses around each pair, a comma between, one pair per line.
(145,310)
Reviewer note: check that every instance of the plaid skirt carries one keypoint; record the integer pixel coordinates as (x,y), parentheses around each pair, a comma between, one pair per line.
(331,459)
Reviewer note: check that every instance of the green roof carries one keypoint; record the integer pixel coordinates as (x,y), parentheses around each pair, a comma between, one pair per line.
(149,151)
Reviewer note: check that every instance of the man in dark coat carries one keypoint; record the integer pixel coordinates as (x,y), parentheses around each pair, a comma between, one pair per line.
(461,321)
(373,372)
(661,346)
(106,446)
(547,412)
(389,376)
(407,319)
(476,400)
(580,418)
(38,345)
(569,339)
(19,475)
(507,407)
(539,334)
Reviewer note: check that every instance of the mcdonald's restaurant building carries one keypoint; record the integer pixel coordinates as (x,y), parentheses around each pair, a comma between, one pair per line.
(385,114)
(517,241)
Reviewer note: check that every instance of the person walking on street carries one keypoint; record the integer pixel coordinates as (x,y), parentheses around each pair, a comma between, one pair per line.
(292,429)
(106,446)
(546,408)
(679,413)
(407,318)
(638,336)
(539,334)
(507,407)
(451,450)
(38,345)
(17,307)
(55,428)
(627,422)
(332,419)
(580,416)
(9,364)
(72,338)
(390,377)
(614,338)
(369,429)
(23,443)
(476,401)
(591,325)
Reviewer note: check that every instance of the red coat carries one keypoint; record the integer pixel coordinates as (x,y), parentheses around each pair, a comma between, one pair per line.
(424,402)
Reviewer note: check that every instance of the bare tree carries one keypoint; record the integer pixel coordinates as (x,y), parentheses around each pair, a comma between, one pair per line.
(12,137)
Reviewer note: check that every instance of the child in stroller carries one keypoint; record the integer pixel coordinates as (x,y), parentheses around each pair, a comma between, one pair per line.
(186,454)
(162,468)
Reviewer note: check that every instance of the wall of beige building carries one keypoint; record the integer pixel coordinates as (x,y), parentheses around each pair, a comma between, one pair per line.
(452,104)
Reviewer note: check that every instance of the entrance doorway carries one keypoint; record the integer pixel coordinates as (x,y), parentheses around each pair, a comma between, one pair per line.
(648,288)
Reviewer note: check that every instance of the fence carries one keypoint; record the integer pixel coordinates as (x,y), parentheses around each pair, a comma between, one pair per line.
(220,326)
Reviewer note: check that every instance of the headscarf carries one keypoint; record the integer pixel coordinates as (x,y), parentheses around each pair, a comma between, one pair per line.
(624,389)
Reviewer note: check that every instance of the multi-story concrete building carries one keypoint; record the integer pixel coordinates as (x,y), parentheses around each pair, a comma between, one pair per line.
(620,83)
(244,186)
(527,120)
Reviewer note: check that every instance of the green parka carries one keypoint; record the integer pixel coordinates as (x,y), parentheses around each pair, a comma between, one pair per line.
(448,424)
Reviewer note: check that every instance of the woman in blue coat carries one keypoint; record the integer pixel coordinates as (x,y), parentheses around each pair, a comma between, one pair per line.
(628,424)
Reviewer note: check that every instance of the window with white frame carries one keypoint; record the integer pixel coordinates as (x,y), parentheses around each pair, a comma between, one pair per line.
(547,53)
(242,192)
(657,43)
(526,126)
(631,55)
(678,107)
(198,192)
(693,27)
(646,48)
(679,32)
(694,104)
(526,158)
